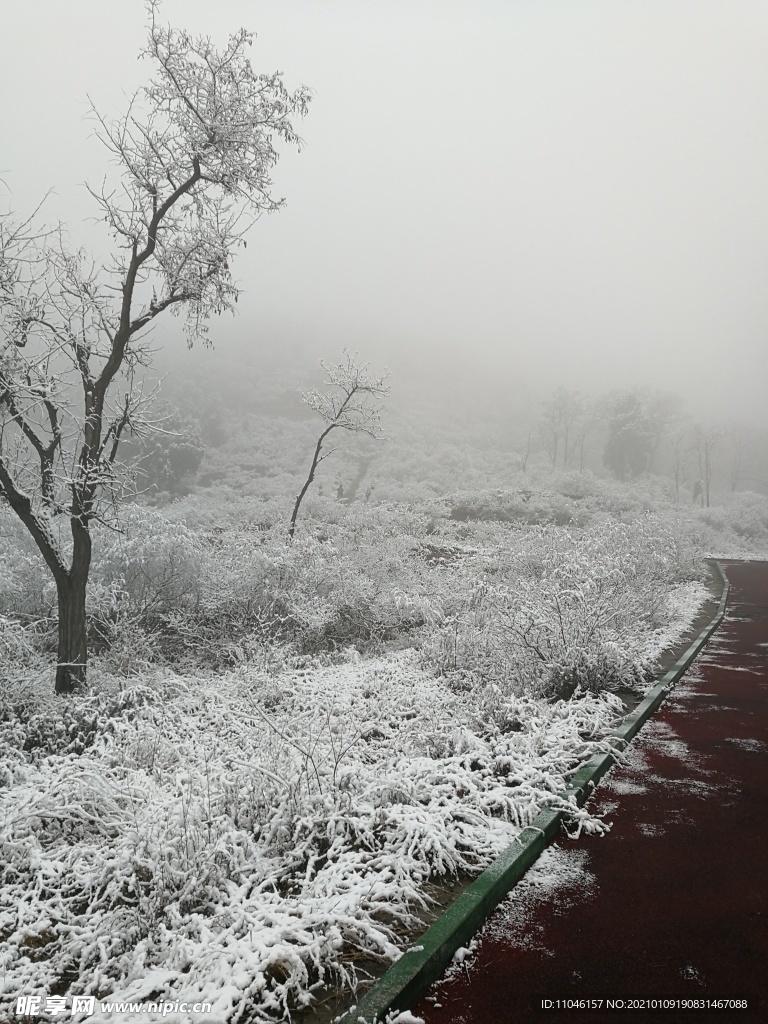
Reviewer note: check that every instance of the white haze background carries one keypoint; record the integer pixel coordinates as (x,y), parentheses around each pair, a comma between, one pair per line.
(520,194)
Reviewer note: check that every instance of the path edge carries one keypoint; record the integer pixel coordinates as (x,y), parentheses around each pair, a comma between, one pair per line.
(424,962)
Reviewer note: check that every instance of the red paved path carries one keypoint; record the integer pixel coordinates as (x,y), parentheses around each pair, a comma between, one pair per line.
(672,902)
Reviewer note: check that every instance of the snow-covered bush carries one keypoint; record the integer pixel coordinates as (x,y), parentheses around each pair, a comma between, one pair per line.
(26,588)
(149,565)
(215,583)
(745,515)
(238,839)
(519,507)
(243,834)
(18,646)
(565,608)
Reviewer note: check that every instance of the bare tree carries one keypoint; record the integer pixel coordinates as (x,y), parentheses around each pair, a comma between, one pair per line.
(561,415)
(524,458)
(662,410)
(680,448)
(350,400)
(706,439)
(194,153)
(585,425)
(572,412)
(551,429)
(742,457)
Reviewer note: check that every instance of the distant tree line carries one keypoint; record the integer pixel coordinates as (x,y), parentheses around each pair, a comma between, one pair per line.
(637,431)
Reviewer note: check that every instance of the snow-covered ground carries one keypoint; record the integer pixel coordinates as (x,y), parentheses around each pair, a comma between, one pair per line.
(241,839)
(285,746)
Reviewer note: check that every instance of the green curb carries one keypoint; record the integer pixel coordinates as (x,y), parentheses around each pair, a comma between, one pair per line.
(407,979)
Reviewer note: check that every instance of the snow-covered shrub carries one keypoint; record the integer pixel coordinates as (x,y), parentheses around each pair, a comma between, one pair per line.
(518,507)
(341,583)
(149,565)
(238,839)
(213,581)
(26,588)
(240,836)
(566,609)
(43,723)
(745,515)
(18,647)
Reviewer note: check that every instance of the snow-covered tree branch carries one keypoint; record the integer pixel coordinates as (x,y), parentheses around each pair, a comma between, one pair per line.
(350,400)
(195,151)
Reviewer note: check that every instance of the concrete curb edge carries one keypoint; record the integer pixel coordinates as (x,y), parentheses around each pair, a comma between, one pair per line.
(410,976)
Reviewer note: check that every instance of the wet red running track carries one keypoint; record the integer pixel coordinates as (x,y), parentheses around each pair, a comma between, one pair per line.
(672,901)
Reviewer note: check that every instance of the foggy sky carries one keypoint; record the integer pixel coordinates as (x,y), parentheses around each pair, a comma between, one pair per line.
(545,191)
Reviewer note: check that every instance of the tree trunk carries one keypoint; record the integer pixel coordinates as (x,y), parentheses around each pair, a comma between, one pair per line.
(316,459)
(73,643)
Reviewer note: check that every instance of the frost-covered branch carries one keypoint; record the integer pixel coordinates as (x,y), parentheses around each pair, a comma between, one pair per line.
(350,400)
(195,152)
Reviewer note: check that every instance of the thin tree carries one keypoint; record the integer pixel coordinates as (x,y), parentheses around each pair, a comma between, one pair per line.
(350,400)
(662,411)
(550,428)
(706,440)
(680,449)
(560,416)
(572,408)
(194,153)
(584,427)
(742,456)
(524,458)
